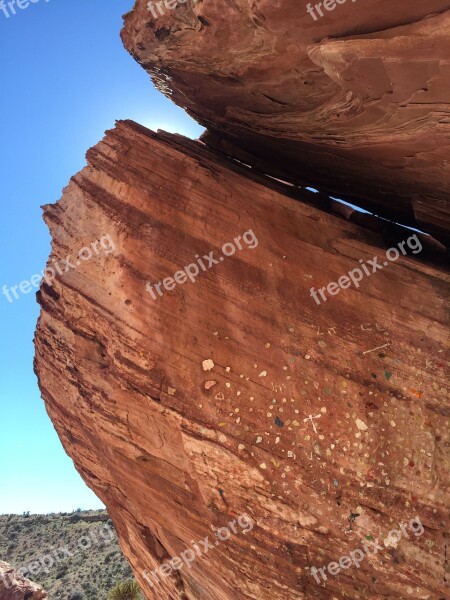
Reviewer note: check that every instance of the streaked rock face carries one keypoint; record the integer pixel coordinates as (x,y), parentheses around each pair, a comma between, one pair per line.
(355,103)
(15,587)
(238,394)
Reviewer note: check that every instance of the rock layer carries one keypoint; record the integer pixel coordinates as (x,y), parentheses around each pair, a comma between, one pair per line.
(15,587)
(355,103)
(326,424)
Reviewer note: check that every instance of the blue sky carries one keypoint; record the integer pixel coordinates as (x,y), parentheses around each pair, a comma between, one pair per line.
(65,79)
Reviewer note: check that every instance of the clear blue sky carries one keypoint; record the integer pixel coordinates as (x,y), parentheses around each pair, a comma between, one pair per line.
(65,78)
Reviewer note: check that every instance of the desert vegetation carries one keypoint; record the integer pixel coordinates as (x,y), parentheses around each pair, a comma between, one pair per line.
(83,547)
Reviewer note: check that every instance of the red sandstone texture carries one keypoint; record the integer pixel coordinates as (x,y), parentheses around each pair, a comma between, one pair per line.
(355,103)
(15,587)
(325,424)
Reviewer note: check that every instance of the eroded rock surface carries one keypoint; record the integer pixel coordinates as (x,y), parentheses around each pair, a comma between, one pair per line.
(326,424)
(355,103)
(15,587)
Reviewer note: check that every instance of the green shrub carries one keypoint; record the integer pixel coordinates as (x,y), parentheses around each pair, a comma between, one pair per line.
(109,556)
(61,572)
(125,590)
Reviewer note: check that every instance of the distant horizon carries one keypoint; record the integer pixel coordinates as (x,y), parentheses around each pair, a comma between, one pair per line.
(62,512)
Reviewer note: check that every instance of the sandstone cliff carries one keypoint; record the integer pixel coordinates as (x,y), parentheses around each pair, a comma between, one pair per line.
(15,587)
(326,425)
(202,365)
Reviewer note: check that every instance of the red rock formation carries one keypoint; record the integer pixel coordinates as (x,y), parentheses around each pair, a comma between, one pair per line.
(355,103)
(15,587)
(326,424)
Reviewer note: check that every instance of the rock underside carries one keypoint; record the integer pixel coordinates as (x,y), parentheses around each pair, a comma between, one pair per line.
(355,103)
(15,587)
(326,423)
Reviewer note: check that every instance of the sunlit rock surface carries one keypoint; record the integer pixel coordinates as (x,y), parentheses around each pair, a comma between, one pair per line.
(327,424)
(15,587)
